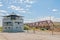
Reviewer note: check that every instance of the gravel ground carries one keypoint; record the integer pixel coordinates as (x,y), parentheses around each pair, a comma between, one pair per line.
(30,36)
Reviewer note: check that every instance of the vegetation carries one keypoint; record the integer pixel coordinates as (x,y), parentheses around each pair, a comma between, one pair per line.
(0,29)
(26,27)
(43,29)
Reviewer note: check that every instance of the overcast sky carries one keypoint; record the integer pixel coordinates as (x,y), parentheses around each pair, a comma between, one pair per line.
(32,10)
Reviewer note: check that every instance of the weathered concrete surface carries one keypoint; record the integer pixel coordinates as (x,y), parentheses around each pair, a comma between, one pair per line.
(30,36)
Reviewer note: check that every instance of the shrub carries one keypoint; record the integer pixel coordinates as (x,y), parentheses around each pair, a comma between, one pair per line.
(43,29)
(26,27)
(0,28)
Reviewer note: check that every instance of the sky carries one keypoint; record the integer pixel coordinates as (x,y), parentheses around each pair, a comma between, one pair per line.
(32,10)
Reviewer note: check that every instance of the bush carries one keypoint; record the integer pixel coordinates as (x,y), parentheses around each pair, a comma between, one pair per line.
(43,29)
(26,27)
(0,29)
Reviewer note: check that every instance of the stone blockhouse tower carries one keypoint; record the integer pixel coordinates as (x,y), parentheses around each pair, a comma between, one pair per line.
(13,23)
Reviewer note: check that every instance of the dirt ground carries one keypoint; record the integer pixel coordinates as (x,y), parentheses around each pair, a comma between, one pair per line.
(38,35)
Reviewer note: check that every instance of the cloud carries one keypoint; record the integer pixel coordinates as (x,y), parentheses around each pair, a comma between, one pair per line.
(54,10)
(28,6)
(29,1)
(54,19)
(3,12)
(29,20)
(47,18)
(1,4)
(22,1)
(23,8)
(18,8)
(15,7)
(17,1)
